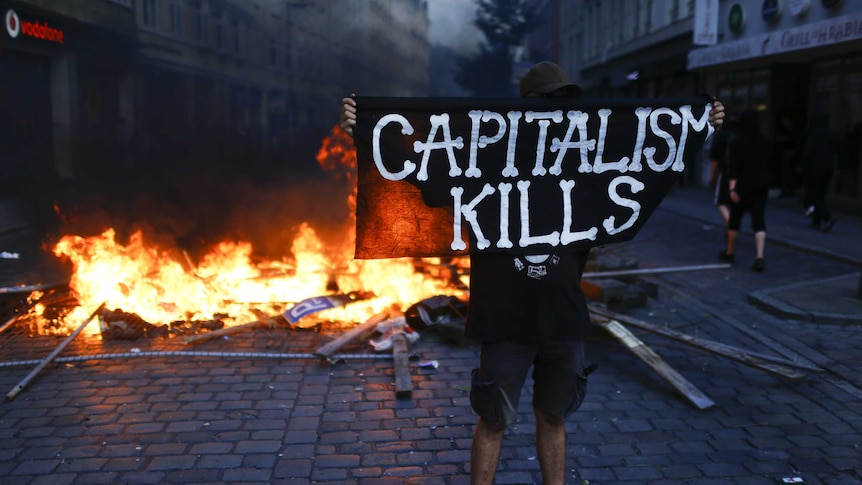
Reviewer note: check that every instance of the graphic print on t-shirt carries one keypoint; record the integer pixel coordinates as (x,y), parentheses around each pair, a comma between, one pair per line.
(536,265)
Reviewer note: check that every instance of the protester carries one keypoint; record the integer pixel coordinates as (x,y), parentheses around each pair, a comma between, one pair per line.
(748,181)
(819,152)
(718,169)
(527,311)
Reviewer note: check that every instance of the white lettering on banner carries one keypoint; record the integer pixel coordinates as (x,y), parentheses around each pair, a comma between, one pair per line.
(567,236)
(437,122)
(545,119)
(527,240)
(406,129)
(651,124)
(636,186)
(576,120)
(649,152)
(510,170)
(688,119)
(598,165)
(469,213)
(504,242)
(482,141)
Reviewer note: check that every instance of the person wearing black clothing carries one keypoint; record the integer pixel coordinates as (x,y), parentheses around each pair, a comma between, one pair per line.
(718,154)
(526,311)
(748,181)
(818,163)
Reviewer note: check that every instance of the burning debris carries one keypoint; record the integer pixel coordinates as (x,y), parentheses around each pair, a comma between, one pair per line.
(164,292)
(119,325)
(147,288)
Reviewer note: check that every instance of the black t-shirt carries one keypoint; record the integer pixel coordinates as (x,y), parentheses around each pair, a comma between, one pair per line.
(749,162)
(530,299)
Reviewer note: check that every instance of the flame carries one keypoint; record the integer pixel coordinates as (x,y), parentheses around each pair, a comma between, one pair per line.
(337,151)
(163,285)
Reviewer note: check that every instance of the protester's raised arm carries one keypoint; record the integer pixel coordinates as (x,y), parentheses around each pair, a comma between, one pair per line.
(348,115)
(716,114)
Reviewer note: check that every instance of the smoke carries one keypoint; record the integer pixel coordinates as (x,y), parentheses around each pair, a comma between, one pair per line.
(190,189)
(452,25)
(195,206)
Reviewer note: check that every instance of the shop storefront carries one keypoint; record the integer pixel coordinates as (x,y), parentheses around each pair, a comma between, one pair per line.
(27,44)
(791,74)
(63,79)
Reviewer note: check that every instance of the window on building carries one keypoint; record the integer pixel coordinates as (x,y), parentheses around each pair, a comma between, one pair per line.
(589,46)
(236,30)
(148,13)
(219,32)
(176,19)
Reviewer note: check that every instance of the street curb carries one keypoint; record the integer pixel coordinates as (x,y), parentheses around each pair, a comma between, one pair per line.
(764,300)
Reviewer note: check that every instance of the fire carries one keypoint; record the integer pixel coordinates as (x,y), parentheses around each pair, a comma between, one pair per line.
(153,284)
(163,285)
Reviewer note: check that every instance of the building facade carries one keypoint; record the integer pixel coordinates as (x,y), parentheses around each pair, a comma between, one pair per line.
(630,48)
(789,59)
(113,89)
(65,79)
(793,60)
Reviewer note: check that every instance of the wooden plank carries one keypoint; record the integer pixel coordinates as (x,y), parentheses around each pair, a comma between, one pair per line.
(654,361)
(205,337)
(264,318)
(639,271)
(327,350)
(774,365)
(401,364)
(47,360)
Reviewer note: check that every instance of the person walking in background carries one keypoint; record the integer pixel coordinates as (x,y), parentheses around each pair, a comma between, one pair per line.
(788,140)
(748,183)
(718,168)
(524,322)
(819,152)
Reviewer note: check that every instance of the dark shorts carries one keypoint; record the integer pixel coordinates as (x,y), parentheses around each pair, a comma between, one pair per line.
(559,379)
(755,204)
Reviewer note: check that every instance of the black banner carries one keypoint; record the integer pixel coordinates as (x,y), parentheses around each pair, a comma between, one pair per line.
(440,175)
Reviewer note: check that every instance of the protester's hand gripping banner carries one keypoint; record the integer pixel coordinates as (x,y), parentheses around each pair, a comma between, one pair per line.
(443,176)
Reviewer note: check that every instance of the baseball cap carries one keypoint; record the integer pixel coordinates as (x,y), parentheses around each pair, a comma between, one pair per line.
(546,77)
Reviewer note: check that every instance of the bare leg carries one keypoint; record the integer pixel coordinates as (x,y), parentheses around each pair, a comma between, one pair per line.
(759,243)
(551,447)
(731,240)
(485,452)
(724,211)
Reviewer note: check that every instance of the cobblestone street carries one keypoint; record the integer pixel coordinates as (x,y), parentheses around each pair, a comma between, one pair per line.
(256,408)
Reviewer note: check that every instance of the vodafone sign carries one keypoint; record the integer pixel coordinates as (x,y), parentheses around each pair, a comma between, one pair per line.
(35,29)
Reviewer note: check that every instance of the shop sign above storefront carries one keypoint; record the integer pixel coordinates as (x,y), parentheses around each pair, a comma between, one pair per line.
(818,34)
(36,29)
